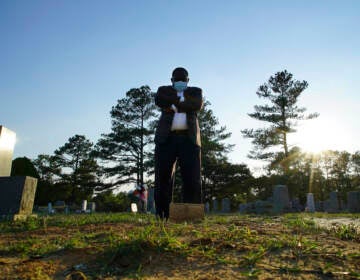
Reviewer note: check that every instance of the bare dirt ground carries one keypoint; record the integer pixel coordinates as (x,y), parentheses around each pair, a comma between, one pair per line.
(221,247)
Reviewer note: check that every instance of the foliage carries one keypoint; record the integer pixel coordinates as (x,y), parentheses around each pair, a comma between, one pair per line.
(108,202)
(23,167)
(220,178)
(78,167)
(127,148)
(282,92)
(71,174)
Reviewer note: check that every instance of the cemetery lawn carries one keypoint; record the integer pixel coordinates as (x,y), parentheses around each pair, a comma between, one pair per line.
(127,246)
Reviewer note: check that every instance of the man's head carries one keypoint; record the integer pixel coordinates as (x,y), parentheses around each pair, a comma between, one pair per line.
(180,74)
(180,79)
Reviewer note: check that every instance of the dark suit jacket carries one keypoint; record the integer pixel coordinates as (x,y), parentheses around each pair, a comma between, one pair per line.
(167,95)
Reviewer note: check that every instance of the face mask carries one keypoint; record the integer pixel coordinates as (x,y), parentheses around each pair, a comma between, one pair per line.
(180,86)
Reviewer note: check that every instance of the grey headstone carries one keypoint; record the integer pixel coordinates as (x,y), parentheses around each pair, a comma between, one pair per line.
(280,198)
(17,196)
(151,201)
(215,205)
(7,143)
(225,205)
(310,203)
(92,207)
(332,205)
(262,207)
(319,206)
(296,205)
(207,207)
(50,209)
(59,203)
(353,201)
(242,207)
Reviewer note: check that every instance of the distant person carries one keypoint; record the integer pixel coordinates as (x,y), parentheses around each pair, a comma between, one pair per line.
(141,193)
(177,138)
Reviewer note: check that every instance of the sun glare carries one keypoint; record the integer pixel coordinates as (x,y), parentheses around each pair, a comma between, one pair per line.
(316,135)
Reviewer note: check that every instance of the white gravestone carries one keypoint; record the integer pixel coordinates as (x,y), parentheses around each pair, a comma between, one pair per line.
(84,205)
(7,143)
(134,208)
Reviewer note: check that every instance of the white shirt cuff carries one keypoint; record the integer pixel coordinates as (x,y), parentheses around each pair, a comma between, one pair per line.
(174,107)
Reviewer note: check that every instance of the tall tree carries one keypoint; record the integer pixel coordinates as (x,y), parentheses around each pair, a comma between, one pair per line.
(214,157)
(282,93)
(355,163)
(127,148)
(78,167)
(47,167)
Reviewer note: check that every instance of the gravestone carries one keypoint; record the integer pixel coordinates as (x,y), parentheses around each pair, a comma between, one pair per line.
(319,206)
(7,143)
(225,205)
(59,203)
(50,209)
(207,207)
(134,208)
(215,205)
(92,207)
(84,206)
(17,195)
(296,205)
(280,198)
(353,201)
(310,203)
(59,206)
(242,208)
(332,204)
(262,207)
(186,212)
(150,201)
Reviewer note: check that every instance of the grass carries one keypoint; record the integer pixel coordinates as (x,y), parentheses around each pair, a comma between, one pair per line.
(346,232)
(137,246)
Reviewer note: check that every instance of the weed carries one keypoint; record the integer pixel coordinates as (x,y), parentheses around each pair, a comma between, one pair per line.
(300,224)
(346,232)
(254,256)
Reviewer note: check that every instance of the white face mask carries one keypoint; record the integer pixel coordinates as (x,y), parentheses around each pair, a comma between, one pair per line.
(180,86)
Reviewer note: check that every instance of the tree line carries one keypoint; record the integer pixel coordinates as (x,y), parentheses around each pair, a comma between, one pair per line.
(80,169)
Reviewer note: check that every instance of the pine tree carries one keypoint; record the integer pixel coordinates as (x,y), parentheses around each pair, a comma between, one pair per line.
(78,167)
(282,112)
(213,149)
(128,147)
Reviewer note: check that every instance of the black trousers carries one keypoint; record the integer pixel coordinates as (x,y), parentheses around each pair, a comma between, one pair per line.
(177,148)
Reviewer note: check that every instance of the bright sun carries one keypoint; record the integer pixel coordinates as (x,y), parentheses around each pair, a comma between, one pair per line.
(317,135)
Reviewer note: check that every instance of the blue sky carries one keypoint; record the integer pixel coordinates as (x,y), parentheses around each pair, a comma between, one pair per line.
(63,64)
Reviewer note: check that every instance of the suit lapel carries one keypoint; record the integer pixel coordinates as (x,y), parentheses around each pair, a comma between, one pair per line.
(173,91)
(186,93)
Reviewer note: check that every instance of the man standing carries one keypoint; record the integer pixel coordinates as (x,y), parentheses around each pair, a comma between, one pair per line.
(177,138)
